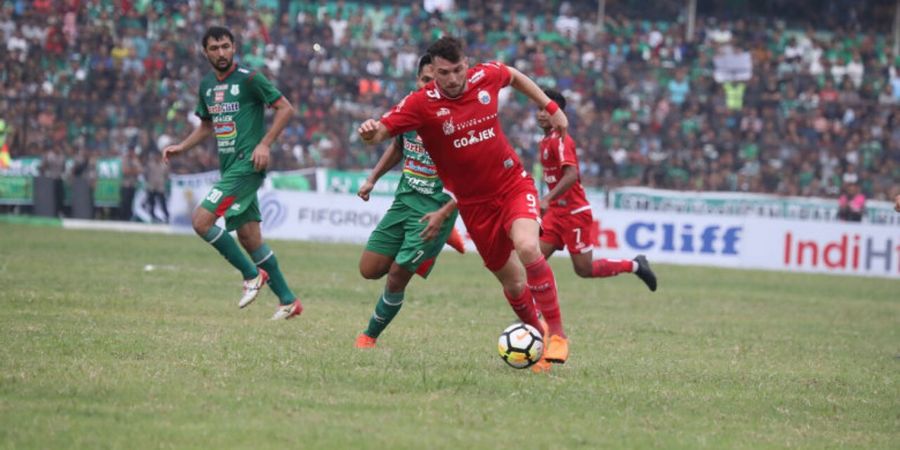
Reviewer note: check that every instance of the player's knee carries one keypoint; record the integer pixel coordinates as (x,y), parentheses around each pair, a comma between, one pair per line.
(583,271)
(515,288)
(529,252)
(370,272)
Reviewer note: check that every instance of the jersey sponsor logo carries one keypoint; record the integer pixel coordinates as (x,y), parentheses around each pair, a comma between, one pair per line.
(448,127)
(235,89)
(477,76)
(414,146)
(550,178)
(225,130)
(221,87)
(484,97)
(223,118)
(474,138)
(443,112)
(236,206)
(472,122)
(220,97)
(416,168)
(229,107)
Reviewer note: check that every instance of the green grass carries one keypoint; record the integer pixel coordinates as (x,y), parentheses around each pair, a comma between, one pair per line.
(99,353)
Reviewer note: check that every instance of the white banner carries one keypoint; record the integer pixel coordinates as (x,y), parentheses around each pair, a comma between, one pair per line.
(749,242)
(721,241)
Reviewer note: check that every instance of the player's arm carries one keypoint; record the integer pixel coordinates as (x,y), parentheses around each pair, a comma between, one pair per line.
(283,113)
(527,86)
(389,159)
(568,179)
(373,132)
(197,136)
(436,219)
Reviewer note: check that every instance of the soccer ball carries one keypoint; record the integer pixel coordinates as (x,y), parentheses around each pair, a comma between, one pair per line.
(520,345)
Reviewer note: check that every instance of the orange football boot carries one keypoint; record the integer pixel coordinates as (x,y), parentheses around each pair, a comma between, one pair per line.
(456,241)
(557,349)
(365,341)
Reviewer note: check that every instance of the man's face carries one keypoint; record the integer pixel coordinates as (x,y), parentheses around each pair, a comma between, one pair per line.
(425,76)
(450,76)
(219,53)
(543,119)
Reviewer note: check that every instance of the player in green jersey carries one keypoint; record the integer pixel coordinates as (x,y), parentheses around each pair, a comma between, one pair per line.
(410,236)
(231,105)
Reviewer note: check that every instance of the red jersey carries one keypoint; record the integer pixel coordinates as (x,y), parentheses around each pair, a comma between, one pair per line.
(555,154)
(463,134)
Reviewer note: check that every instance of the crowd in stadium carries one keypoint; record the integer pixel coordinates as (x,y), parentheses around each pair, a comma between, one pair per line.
(819,113)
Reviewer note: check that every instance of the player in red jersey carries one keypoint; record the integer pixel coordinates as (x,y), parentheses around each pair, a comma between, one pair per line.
(456,117)
(567,217)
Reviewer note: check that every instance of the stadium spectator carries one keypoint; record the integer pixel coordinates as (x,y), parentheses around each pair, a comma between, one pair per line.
(131,170)
(156,175)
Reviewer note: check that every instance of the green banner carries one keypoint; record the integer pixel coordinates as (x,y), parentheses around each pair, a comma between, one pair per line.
(109,180)
(16,184)
(290,181)
(742,204)
(346,182)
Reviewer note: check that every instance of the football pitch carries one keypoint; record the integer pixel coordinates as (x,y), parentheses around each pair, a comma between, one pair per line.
(98,352)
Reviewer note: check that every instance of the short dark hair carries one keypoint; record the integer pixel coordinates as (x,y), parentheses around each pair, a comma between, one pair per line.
(423,61)
(556,97)
(216,32)
(448,48)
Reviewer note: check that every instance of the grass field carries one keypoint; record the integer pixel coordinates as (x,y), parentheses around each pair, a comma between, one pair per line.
(97,352)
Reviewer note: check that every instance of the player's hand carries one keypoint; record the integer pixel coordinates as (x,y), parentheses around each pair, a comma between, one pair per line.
(365,190)
(260,157)
(171,150)
(435,219)
(559,122)
(545,205)
(368,130)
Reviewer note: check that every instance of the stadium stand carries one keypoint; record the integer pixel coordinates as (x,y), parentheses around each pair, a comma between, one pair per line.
(820,110)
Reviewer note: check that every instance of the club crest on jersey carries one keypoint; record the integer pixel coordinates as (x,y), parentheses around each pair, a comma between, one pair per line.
(442,112)
(235,89)
(484,97)
(448,127)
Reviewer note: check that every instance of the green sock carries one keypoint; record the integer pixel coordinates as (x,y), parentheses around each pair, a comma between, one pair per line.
(387,307)
(265,258)
(227,247)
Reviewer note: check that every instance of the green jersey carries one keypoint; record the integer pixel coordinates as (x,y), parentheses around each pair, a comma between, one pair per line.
(236,105)
(420,188)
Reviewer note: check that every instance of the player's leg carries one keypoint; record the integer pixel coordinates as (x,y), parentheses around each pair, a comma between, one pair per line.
(387,307)
(512,278)
(547,249)
(576,228)
(524,235)
(262,255)
(204,223)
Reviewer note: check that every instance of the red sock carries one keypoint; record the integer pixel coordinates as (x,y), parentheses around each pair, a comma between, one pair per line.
(610,267)
(524,308)
(543,288)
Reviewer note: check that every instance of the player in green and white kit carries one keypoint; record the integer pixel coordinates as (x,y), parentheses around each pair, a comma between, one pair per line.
(231,105)
(413,231)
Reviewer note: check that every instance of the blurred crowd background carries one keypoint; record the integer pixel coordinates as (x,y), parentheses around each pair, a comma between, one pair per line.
(91,79)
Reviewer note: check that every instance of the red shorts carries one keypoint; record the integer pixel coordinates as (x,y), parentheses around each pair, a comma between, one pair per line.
(561,227)
(488,222)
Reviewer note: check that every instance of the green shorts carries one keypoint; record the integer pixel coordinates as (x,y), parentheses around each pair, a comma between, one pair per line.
(234,196)
(397,236)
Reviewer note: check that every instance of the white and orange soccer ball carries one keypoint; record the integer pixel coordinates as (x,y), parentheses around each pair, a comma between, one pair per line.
(520,345)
